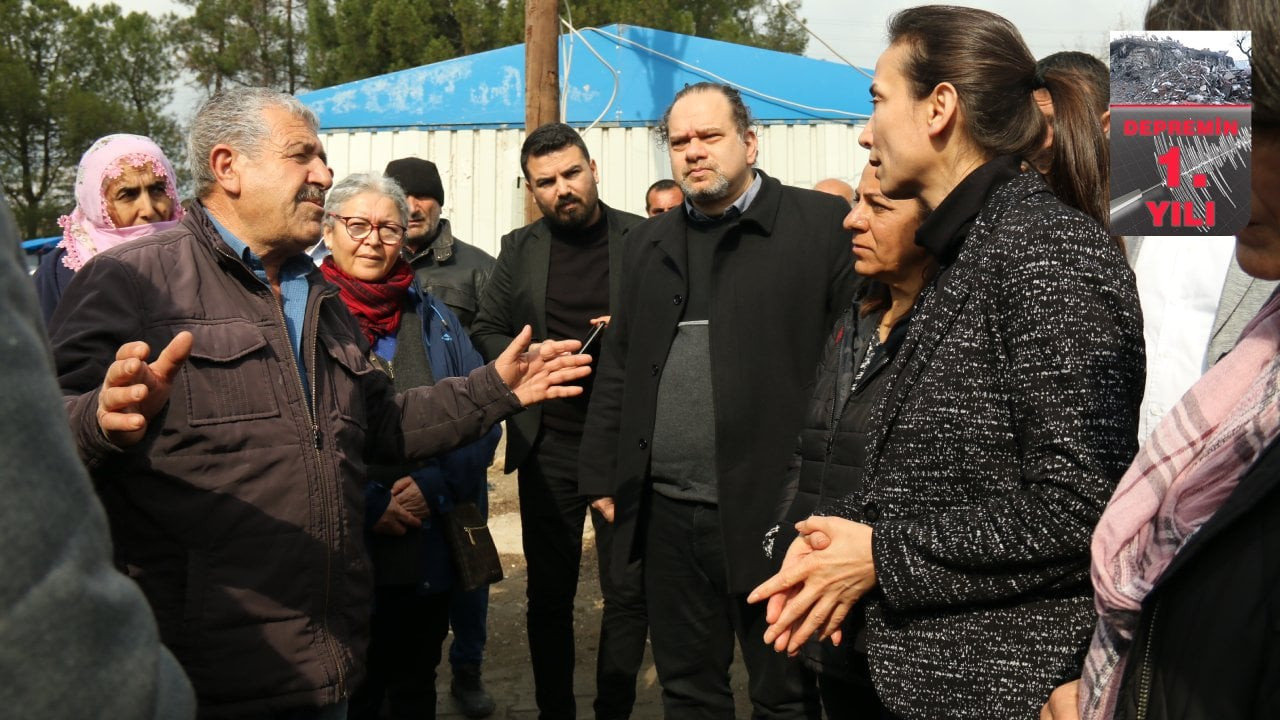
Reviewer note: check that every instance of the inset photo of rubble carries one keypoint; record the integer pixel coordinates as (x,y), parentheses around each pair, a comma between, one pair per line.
(1181,68)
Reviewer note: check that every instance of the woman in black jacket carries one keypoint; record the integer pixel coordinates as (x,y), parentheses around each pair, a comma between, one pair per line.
(854,369)
(1011,407)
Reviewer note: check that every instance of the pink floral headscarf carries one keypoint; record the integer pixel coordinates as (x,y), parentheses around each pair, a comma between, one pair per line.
(88,230)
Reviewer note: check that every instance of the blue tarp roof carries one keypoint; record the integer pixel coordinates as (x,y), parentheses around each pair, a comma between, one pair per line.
(486,90)
(39,243)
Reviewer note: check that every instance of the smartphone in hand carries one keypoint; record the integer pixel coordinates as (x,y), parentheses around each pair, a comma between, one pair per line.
(596,329)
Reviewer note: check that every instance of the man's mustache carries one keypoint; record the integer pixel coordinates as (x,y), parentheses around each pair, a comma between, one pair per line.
(562,202)
(311,193)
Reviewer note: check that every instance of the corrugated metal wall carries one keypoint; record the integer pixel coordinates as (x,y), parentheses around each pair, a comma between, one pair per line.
(484,193)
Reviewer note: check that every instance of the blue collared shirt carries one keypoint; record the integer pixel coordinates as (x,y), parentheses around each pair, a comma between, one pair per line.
(738,207)
(294,290)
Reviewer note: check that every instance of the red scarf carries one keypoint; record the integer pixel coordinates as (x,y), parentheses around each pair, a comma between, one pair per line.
(376,305)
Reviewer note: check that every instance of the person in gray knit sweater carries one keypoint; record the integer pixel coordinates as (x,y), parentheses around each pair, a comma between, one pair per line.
(1012,407)
(77,639)
(702,390)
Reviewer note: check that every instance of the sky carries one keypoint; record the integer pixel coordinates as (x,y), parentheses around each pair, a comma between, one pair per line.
(856,28)
(1222,41)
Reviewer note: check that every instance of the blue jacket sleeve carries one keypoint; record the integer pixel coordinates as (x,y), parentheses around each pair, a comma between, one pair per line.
(457,475)
(435,485)
(376,500)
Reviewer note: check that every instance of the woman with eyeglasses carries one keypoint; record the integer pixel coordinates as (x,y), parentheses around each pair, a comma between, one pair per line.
(417,340)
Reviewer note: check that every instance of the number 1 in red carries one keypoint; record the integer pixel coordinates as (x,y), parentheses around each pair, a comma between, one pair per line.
(1172,161)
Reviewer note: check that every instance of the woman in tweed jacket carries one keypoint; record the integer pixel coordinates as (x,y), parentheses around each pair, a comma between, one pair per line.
(1013,407)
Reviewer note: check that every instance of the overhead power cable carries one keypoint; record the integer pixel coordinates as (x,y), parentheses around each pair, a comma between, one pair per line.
(787,9)
(707,73)
(616,80)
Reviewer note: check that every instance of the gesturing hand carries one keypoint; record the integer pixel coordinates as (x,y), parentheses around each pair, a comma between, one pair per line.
(539,373)
(134,391)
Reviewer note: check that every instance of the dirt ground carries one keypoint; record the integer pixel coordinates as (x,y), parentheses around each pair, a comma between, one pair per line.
(507,674)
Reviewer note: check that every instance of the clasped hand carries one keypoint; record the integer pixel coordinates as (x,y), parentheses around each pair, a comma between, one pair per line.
(407,509)
(824,573)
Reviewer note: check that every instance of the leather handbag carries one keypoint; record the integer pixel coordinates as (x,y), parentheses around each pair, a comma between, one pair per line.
(475,557)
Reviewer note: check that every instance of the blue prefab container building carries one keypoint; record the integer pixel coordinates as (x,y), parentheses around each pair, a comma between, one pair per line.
(467,115)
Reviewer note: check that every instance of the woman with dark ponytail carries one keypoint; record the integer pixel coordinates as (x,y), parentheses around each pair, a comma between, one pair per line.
(1011,410)
(1073,93)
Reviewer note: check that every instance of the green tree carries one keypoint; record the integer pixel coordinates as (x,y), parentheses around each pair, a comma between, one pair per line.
(69,77)
(294,45)
(760,23)
(245,42)
(354,39)
(361,38)
(133,64)
(322,38)
(488,24)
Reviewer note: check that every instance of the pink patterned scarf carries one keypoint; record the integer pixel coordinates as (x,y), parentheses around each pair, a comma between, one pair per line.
(1181,476)
(88,230)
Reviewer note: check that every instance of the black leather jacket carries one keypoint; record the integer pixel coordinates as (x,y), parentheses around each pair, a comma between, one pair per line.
(452,271)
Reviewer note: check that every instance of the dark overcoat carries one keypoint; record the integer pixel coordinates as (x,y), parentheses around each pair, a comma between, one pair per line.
(780,276)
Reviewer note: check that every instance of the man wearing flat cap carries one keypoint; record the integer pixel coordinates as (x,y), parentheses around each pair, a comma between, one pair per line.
(445,266)
(454,272)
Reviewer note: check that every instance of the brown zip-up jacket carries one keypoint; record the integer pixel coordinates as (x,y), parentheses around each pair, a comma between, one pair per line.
(239,514)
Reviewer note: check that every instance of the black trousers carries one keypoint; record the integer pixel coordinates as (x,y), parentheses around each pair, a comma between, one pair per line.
(551,517)
(404,650)
(847,699)
(696,618)
(844,679)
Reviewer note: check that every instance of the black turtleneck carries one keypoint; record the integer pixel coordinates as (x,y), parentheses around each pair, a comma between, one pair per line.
(577,290)
(943,233)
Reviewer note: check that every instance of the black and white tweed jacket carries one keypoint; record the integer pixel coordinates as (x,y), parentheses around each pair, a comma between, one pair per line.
(1011,416)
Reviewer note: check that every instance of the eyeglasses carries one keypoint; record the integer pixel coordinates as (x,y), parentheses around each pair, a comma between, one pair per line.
(359,228)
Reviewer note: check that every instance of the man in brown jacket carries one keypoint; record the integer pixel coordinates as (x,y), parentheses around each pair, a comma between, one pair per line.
(231,466)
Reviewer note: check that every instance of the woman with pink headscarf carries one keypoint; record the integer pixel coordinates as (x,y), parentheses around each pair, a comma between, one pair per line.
(125,189)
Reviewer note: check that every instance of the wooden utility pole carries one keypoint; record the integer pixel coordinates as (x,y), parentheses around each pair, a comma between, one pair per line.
(541,73)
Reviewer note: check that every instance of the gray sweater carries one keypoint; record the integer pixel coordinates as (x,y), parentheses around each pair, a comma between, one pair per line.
(77,639)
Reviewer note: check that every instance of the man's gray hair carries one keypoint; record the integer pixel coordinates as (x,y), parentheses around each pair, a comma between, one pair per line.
(359,184)
(235,117)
